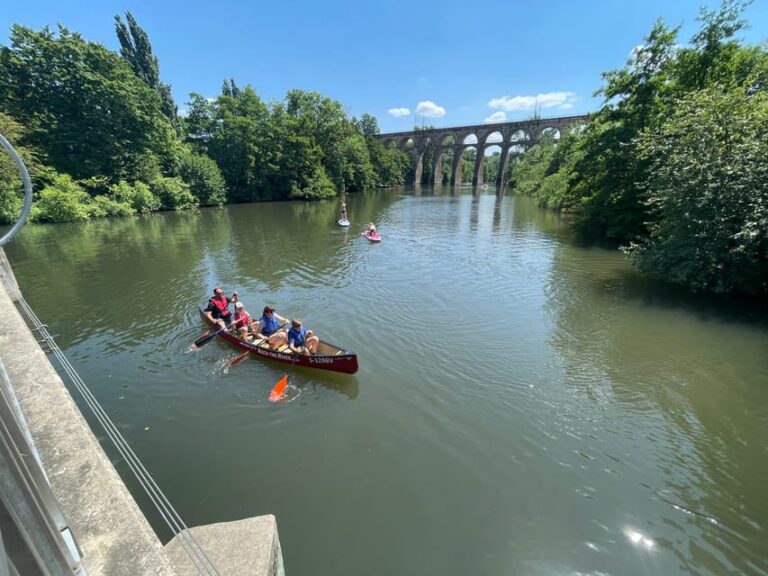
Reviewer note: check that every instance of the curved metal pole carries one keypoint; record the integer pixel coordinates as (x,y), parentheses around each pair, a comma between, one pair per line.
(27,192)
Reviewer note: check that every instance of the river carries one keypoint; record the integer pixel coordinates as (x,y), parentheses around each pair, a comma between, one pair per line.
(524,404)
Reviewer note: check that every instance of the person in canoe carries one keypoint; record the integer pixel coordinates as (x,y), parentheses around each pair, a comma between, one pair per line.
(300,340)
(371,228)
(242,320)
(269,327)
(343,209)
(218,308)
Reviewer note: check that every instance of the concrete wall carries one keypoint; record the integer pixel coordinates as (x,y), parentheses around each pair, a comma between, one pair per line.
(113,534)
(109,527)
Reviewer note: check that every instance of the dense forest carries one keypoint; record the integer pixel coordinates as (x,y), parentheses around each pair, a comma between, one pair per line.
(674,165)
(102,136)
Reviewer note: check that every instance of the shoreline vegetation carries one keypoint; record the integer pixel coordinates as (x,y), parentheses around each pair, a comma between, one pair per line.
(673,166)
(102,136)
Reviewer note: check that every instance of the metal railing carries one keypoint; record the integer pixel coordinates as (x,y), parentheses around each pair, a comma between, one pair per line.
(35,534)
(27,191)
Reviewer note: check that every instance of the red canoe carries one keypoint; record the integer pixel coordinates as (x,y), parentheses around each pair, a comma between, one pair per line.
(328,357)
(372,236)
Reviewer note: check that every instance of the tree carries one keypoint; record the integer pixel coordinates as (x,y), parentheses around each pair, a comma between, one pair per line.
(137,51)
(367,125)
(603,196)
(203,177)
(707,192)
(85,110)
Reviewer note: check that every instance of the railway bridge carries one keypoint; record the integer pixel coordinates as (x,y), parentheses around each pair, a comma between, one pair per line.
(512,137)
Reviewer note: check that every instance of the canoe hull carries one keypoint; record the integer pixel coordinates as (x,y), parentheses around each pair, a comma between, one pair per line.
(342,222)
(372,237)
(345,362)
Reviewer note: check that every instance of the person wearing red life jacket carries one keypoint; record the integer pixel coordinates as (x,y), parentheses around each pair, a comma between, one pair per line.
(218,308)
(242,320)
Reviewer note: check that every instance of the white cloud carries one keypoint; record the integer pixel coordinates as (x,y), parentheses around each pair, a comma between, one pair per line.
(397,112)
(496,117)
(548,100)
(430,109)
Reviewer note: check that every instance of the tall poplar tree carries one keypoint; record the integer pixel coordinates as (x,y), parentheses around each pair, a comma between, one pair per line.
(136,49)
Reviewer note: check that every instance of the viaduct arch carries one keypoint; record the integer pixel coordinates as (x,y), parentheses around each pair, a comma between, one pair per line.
(507,135)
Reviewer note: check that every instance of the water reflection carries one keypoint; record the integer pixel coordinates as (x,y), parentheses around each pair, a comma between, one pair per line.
(530,404)
(660,373)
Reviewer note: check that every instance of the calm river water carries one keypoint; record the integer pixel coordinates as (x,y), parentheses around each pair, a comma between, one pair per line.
(524,405)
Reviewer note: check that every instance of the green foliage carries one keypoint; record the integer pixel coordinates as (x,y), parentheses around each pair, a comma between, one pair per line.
(63,201)
(707,192)
(675,159)
(289,149)
(390,165)
(104,206)
(86,111)
(357,171)
(138,196)
(203,177)
(317,187)
(367,125)
(136,49)
(11,186)
(173,193)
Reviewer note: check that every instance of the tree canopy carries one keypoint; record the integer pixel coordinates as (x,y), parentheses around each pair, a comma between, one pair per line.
(103,136)
(673,164)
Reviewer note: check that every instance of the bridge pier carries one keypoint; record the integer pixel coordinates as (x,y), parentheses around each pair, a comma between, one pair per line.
(437,164)
(417,167)
(456,165)
(501,177)
(477,176)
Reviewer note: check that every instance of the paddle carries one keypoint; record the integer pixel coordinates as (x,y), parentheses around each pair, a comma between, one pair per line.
(203,340)
(278,392)
(240,357)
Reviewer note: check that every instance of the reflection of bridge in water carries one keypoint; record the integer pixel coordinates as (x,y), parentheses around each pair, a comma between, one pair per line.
(511,137)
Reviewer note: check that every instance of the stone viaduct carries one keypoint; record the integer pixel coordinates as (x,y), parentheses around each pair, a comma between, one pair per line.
(512,137)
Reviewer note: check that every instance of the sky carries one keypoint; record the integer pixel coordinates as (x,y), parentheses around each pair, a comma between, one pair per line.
(407,63)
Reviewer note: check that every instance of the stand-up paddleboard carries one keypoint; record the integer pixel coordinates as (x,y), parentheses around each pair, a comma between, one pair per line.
(342,222)
(372,236)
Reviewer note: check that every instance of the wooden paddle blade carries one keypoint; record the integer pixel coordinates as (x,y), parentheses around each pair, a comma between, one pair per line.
(279,390)
(239,358)
(203,340)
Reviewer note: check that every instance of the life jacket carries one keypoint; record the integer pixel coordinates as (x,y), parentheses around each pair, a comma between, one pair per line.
(297,336)
(270,325)
(222,306)
(242,319)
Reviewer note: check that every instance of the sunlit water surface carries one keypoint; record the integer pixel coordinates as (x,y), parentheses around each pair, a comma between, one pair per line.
(523,406)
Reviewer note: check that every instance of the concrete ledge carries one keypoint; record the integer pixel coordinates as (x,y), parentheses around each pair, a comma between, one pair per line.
(114,536)
(7,277)
(243,547)
(109,527)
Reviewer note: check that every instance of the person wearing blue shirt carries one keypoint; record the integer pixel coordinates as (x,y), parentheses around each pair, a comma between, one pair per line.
(270,325)
(302,341)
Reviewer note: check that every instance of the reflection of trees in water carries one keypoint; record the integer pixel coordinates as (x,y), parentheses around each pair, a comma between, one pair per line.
(681,380)
(78,269)
(527,213)
(288,242)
